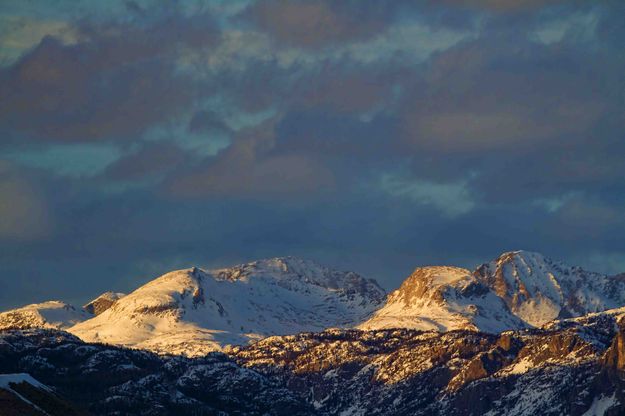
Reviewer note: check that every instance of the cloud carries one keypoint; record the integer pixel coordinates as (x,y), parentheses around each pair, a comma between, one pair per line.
(503,5)
(112,83)
(18,34)
(408,133)
(451,199)
(529,121)
(248,169)
(207,121)
(318,23)
(23,211)
(152,159)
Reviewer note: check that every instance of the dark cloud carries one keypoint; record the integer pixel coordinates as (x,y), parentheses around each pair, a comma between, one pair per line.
(207,121)
(503,5)
(528,120)
(248,169)
(23,207)
(116,81)
(346,88)
(154,158)
(318,23)
(500,142)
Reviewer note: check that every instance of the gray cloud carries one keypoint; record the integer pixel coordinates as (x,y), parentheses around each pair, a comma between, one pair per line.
(24,213)
(374,165)
(526,121)
(207,121)
(153,158)
(503,5)
(318,23)
(248,168)
(117,80)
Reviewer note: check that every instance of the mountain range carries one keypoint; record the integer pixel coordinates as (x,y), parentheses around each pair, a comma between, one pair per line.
(194,311)
(520,335)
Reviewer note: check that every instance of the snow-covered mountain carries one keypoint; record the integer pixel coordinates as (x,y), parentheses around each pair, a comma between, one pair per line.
(51,314)
(517,290)
(538,289)
(443,298)
(193,311)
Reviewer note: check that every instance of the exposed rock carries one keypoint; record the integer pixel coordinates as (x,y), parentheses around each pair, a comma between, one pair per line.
(102,302)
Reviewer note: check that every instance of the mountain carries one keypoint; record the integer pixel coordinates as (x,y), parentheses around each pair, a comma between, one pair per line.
(51,314)
(521,335)
(194,311)
(102,302)
(538,289)
(443,298)
(576,367)
(55,313)
(517,290)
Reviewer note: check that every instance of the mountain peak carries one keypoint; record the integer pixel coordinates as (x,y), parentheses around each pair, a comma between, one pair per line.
(293,271)
(443,298)
(193,311)
(538,289)
(429,282)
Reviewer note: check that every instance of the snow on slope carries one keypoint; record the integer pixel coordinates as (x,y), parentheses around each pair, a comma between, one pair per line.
(7,379)
(443,298)
(8,382)
(195,311)
(51,314)
(517,290)
(538,289)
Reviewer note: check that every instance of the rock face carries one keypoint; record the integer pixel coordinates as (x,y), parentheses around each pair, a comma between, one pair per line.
(614,358)
(562,370)
(52,314)
(102,302)
(538,289)
(443,298)
(195,311)
(517,290)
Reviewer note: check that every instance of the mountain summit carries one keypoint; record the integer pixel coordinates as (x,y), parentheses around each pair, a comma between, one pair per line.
(443,298)
(193,311)
(517,290)
(538,289)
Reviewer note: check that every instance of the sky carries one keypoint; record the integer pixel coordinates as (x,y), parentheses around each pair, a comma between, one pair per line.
(138,137)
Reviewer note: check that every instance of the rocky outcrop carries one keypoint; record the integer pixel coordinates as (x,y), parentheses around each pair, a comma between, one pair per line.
(614,358)
(102,303)
(538,289)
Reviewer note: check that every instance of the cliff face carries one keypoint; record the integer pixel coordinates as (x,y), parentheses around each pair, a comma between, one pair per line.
(614,358)
(538,289)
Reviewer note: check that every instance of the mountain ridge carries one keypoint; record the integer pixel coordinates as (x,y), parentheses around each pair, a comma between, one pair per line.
(194,311)
(519,289)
